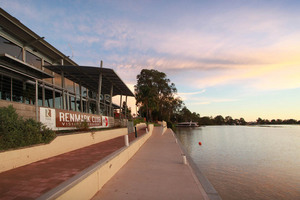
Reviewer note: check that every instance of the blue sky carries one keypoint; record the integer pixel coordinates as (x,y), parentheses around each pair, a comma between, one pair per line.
(237,58)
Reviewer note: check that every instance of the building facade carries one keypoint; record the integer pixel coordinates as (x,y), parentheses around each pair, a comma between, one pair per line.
(42,83)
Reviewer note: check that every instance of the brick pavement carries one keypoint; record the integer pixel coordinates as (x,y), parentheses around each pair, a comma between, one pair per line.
(35,179)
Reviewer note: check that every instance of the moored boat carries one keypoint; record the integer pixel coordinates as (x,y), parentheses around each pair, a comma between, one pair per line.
(187,124)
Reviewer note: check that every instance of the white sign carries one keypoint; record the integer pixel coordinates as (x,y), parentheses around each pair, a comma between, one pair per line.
(47,117)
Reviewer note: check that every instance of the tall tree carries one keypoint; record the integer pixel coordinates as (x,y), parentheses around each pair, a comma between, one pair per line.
(155,92)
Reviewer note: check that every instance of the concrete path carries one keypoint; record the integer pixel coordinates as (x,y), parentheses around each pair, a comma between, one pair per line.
(156,171)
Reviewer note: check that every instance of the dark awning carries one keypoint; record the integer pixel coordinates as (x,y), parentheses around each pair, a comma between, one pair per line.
(89,77)
(21,67)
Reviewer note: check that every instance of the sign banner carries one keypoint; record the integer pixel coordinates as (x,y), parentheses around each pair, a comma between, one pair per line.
(57,118)
(66,118)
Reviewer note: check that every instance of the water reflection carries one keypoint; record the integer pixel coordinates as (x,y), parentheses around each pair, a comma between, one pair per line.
(247,162)
(187,137)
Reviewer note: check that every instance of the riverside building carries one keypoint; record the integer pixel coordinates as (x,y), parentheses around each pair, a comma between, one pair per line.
(43,83)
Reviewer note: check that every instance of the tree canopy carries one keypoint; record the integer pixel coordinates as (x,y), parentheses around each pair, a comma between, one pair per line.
(155,94)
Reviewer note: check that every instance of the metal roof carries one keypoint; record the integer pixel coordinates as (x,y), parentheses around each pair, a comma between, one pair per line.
(88,77)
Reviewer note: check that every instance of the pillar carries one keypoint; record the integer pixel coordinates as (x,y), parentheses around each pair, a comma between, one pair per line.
(63,87)
(36,100)
(111,94)
(120,107)
(99,88)
(126,108)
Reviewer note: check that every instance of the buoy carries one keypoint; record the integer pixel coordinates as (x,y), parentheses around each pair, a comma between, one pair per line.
(200,143)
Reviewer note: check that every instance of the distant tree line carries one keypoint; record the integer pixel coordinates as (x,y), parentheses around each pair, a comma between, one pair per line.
(157,101)
(277,121)
(185,115)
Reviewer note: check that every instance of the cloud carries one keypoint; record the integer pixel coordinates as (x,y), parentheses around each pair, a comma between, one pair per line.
(192,93)
(211,101)
(111,44)
(187,95)
(27,10)
(85,39)
(286,77)
(247,45)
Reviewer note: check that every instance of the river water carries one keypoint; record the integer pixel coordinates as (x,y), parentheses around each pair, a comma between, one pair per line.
(247,162)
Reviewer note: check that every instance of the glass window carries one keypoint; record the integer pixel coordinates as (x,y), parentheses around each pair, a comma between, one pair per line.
(83,105)
(72,103)
(33,60)
(106,98)
(17,90)
(92,107)
(5,85)
(58,100)
(83,91)
(78,105)
(92,95)
(10,48)
(29,93)
(48,98)
(57,80)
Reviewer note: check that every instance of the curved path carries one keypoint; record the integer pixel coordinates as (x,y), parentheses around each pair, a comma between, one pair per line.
(156,171)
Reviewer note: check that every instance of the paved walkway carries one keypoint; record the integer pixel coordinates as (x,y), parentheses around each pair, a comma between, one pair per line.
(33,180)
(156,171)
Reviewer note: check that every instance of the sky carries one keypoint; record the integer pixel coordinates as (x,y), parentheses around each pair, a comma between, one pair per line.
(235,58)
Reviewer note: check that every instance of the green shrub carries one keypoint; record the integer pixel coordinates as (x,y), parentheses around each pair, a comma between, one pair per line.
(138,120)
(170,125)
(83,126)
(16,132)
(47,134)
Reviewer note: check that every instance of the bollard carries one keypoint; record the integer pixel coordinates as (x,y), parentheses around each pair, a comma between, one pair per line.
(126,140)
(184,159)
(135,132)
(175,140)
(147,130)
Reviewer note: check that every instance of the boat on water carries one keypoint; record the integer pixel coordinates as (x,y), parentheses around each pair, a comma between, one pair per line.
(187,124)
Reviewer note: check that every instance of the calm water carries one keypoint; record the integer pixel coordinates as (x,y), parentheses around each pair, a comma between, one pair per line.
(244,162)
